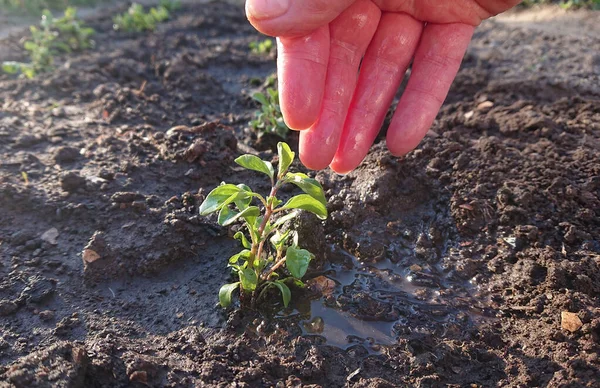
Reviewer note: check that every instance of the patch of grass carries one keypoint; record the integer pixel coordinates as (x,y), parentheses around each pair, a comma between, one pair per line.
(271,258)
(268,118)
(52,37)
(136,19)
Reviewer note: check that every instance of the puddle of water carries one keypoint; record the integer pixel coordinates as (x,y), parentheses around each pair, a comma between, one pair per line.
(343,330)
(418,298)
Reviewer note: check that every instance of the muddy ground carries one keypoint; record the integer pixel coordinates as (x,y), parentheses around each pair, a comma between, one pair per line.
(449,267)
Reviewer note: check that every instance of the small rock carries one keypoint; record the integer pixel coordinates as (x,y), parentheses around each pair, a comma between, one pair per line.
(139,376)
(71,181)
(89,255)
(570,321)
(7,307)
(322,285)
(66,154)
(96,180)
(126,197)
(50,236)
(486,105)
(26,141)
(46,315)
(38,290)
(469,114)
(196,150)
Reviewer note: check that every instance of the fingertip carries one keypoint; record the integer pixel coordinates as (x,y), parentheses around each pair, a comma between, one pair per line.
(343,166)
(314,153)
(396,147)
(266,9)
(298,116)
(302,69)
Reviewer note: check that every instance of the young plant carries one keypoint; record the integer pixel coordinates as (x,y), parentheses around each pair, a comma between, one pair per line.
(65,34)
(137,20)
(37,7)
(271,258)
(269,118)
(262,47)
(72,34)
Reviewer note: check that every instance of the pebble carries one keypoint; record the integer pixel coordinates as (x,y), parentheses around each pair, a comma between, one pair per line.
(570,321)
(66,154)
(7,307)
(46,315)
(71,181)
(39,289)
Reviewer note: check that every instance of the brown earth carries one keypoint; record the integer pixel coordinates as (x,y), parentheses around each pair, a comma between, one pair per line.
(449,267)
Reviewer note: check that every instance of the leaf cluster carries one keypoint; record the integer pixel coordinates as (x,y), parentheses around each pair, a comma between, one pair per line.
(271,257)
(268,118)
(52,37)
(136,19)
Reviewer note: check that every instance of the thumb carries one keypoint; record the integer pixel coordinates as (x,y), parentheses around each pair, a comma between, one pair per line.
(289,18)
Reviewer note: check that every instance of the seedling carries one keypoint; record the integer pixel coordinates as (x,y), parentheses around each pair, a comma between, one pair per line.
(269,118)
(262,47)
(65,34)
(36,7)
(137,20)
(271,257)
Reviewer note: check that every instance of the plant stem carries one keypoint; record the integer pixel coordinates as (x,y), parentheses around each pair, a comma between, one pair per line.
(274,268)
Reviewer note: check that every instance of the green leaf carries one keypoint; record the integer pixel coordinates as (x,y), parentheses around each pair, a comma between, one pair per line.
(286,157)
(286,294)
(310,186)
(242,204)
(242,237)
(217,198)
(226,214)
(30,46)
(11,67)
(225,293)
(297,260)
(253,162)
(282,220)
(248,278)
(273,202)
(245,254)
(279,239)
(251,211)
(308,203)
(260,98)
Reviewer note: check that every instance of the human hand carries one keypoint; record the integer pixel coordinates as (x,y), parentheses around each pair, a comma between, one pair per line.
(340,110)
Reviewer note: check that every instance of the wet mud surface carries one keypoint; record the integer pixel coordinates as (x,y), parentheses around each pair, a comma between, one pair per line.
(448,267)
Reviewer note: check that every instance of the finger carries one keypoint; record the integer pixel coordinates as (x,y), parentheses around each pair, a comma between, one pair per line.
(301,69)
(350,33)
(381,73)
(436,63)
(293,17)
(465,11)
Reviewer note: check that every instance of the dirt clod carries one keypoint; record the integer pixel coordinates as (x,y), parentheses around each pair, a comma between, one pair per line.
(570,321)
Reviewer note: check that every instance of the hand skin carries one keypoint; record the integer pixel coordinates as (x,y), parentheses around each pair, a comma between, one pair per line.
(340,109)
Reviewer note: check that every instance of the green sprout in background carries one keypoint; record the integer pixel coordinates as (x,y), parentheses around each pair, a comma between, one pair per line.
(54,36)
(136,19)
(37,7)
(268,118)
(271,257)
(262,47)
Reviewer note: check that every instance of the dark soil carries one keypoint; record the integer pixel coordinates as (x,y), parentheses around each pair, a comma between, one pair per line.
(449,267)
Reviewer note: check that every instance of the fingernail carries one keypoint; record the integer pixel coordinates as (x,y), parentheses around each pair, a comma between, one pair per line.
(266,9)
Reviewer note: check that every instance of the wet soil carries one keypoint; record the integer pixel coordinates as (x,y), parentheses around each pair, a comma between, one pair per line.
(448,267)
